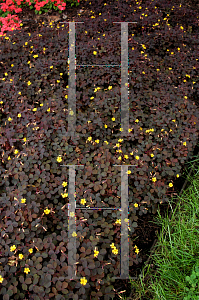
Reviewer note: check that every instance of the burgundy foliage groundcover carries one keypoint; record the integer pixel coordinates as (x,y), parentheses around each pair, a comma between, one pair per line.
(163,123)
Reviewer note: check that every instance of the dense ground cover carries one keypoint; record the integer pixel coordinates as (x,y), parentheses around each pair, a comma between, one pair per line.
(192,95)
(172,273)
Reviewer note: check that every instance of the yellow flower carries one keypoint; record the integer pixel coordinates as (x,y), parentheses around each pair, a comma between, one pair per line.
(126,156)
(47,211)
(51,67)
(71,113)
(12,65)
(112,245)
(177,175)
(137,251)
(184,143)
(185,97)
(136,120)
(106,142)
(12,248)
(48,109)
(118,221)
(24,139)
(29,83)
(16,151)
(1,102)
(90,138)
(170,184)
(83,281)
(152,155)
(72,214)
(119,158)
(173,120)
(95,52)
(21,256)
(9,119)
(105,126)
(35,109)
(158,69)
(83,201)
(9,158)
(121,129)
(64,195)
(181,27)
(60,74)
(64,183)
(137,157)
(130,129)
(59,159)
(120,140)
(97,141)
(117,144)
(110,87)
(30,250)
(113,119)
(6,74)
(154,179)
(66,96)
(115,251)
(1,279)
(96,253)
(23,200)
(58,80)
(140,128)
(19,115)
(74,234)
(26,270)
(128,172)
(136,205)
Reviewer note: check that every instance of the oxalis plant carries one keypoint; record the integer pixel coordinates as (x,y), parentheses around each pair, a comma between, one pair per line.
(35,98)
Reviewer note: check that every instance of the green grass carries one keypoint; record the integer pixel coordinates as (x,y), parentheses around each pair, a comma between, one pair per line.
(176,252)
